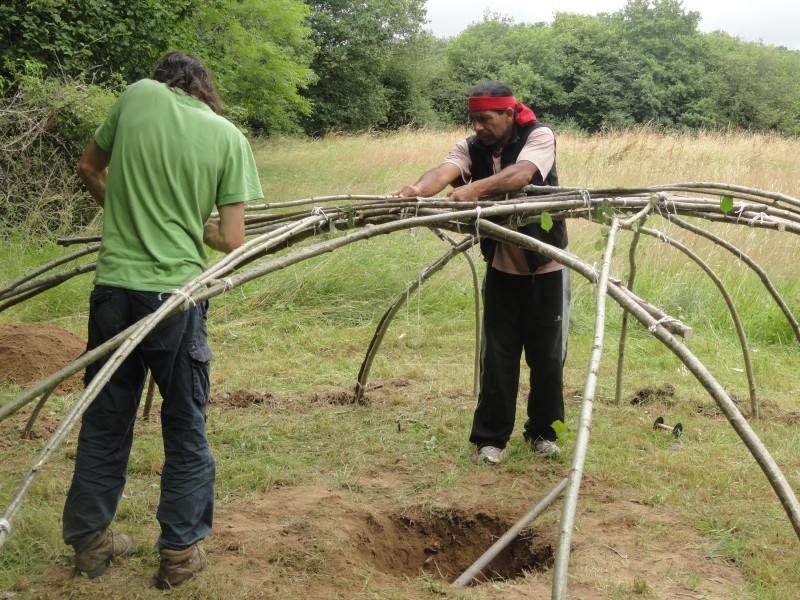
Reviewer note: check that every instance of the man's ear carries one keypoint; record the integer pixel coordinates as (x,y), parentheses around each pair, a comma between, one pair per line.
(509,112)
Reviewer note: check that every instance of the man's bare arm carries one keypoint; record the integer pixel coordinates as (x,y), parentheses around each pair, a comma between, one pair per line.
(510,179)
(93,169)
(226,232)
(431,183)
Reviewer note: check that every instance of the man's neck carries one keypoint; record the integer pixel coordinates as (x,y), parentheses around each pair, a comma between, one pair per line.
(502,143)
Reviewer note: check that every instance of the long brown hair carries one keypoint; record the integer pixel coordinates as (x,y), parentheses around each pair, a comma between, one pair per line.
(186,72)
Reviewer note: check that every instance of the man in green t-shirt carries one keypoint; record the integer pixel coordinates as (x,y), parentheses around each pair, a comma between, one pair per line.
(159,164)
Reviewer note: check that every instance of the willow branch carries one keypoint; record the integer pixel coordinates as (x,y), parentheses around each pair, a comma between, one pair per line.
(624,327)
(762,274)
(748,363)
(33,288)
(671,324)
(631,278)
(26,434)
(476,297)
(148,401)
(10,287)
(584,423)
(383,325)
(509,536)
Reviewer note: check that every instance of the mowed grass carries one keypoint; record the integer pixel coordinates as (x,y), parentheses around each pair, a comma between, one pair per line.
(303,331)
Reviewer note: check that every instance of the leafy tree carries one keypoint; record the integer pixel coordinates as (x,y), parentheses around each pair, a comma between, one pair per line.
(358,43)
(498,48)
(644,64)
(70,37)
(259,52)
(592,68)
(412,69)
(667,57)
(753,86)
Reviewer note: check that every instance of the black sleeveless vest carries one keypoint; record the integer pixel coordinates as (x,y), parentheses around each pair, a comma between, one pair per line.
(483,166)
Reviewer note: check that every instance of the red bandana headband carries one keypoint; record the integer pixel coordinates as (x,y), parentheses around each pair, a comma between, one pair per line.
(524,114)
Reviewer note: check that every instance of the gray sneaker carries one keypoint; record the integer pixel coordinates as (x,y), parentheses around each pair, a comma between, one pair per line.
(178,566)
(95,558)
(491,455)
(545,447)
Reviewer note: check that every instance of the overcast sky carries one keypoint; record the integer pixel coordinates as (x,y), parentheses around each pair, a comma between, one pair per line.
(774,22)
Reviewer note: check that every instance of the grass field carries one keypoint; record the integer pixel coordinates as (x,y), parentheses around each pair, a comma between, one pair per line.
(319,496)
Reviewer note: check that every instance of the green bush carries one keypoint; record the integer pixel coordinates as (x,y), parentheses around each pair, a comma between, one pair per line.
(45,124)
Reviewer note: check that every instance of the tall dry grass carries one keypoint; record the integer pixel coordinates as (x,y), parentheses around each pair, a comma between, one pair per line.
(374,163)
(645,157)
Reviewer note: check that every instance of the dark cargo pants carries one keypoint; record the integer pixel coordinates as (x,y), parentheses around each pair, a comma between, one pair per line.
(178,356)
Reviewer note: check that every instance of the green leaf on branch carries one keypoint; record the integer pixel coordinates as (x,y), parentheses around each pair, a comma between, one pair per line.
(547,221)
(726,204)
(603,211)
(350,217)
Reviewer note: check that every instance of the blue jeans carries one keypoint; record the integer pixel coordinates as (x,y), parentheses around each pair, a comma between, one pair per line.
(177,354)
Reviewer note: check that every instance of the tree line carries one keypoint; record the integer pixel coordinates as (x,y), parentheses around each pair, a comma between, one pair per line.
(352,65)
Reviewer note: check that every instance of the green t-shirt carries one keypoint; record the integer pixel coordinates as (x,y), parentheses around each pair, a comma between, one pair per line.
(172,160)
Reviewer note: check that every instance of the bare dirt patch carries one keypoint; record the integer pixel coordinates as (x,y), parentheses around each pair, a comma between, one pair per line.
(317,541)
(322,394)
(297,530)
(663,393)
(769,410)
(30,352)
(291,532)
(241,398)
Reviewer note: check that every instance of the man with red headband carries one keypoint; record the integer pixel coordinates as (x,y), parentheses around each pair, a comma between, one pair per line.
(526,295)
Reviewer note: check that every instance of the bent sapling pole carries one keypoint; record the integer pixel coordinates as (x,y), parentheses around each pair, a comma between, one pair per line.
(773,473)
(10,288)
(623,333)
(762,274)
(737,321)
(570,505)
(386,319)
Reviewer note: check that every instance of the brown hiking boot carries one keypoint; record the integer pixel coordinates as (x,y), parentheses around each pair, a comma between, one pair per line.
(94,560)
(178,566)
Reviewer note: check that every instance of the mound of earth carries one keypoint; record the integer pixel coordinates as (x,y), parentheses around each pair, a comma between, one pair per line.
(30,352)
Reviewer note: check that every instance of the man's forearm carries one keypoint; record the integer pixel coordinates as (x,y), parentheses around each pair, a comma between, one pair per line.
(431,183)
(509,179)
(96,186)
(93,169)
(226,232)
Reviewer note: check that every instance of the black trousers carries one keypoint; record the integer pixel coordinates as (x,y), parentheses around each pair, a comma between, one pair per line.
(521,313)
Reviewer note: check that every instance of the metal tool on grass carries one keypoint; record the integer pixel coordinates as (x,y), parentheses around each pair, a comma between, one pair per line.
(676,431)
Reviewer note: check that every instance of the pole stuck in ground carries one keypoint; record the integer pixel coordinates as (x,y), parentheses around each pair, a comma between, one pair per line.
(509,536)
